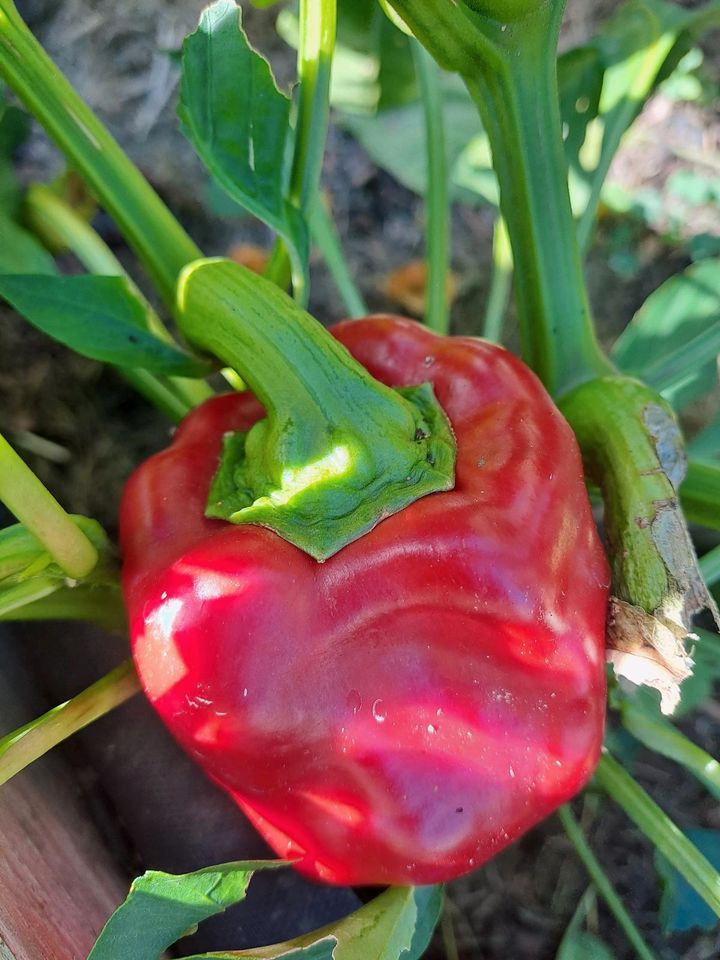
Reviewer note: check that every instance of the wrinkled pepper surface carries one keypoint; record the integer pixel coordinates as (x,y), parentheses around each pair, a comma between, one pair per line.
(403,711)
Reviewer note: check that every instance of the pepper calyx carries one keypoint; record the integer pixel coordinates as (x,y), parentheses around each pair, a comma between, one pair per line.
(338,451)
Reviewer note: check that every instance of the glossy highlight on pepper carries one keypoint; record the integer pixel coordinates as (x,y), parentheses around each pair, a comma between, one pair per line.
(404,710)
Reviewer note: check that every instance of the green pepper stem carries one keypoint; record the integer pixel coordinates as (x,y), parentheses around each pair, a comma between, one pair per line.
(149,227)
(36,508)
(437,201)
(517,96)
(445,30)
(660,830)
(21,747)
(338,450)
(602,883)
(632,448)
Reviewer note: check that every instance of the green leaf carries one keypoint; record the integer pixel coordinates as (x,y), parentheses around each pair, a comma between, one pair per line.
(673,341)
(577,945)
(20,252)
(681,908)
(638,47)
(100,318)
(659,829)
(161,907)
(14,129)
(397,925)
(641,716)
(238,121)
(395,139)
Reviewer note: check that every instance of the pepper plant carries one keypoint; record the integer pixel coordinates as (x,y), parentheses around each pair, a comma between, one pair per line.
(360,474)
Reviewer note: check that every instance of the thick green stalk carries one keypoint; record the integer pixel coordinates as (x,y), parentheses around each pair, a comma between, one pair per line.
(59,226)
(21,747)
(338,451)
(437,200)
(632,447)
(602,883)
(445,31)
(36,508)
(660,830)
(149,227)
(517,96)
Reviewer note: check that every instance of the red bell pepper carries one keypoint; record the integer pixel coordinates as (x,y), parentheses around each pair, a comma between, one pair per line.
(404,710)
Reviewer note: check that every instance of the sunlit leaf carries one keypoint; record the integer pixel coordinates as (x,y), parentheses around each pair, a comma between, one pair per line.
(238,121)
(161,907)
(638,48)
(99,317)
(673,341)
(681,908)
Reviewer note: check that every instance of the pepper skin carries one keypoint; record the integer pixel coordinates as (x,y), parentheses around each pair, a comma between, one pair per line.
(403,711)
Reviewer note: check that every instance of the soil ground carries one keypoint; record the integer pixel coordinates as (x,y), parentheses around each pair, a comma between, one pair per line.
(519,905)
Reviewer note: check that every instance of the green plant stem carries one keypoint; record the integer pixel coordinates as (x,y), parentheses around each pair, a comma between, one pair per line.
(437,200)
(326,237)
(445,31)
(517,96)
(660,830)
(710,567)
(620,452)
(35,507)
(102,605)
(658,734)
(21,747)
(318,27)
(59,226)
(700,494)
(149,227)
(500,283)
(158,393)
(602,883)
